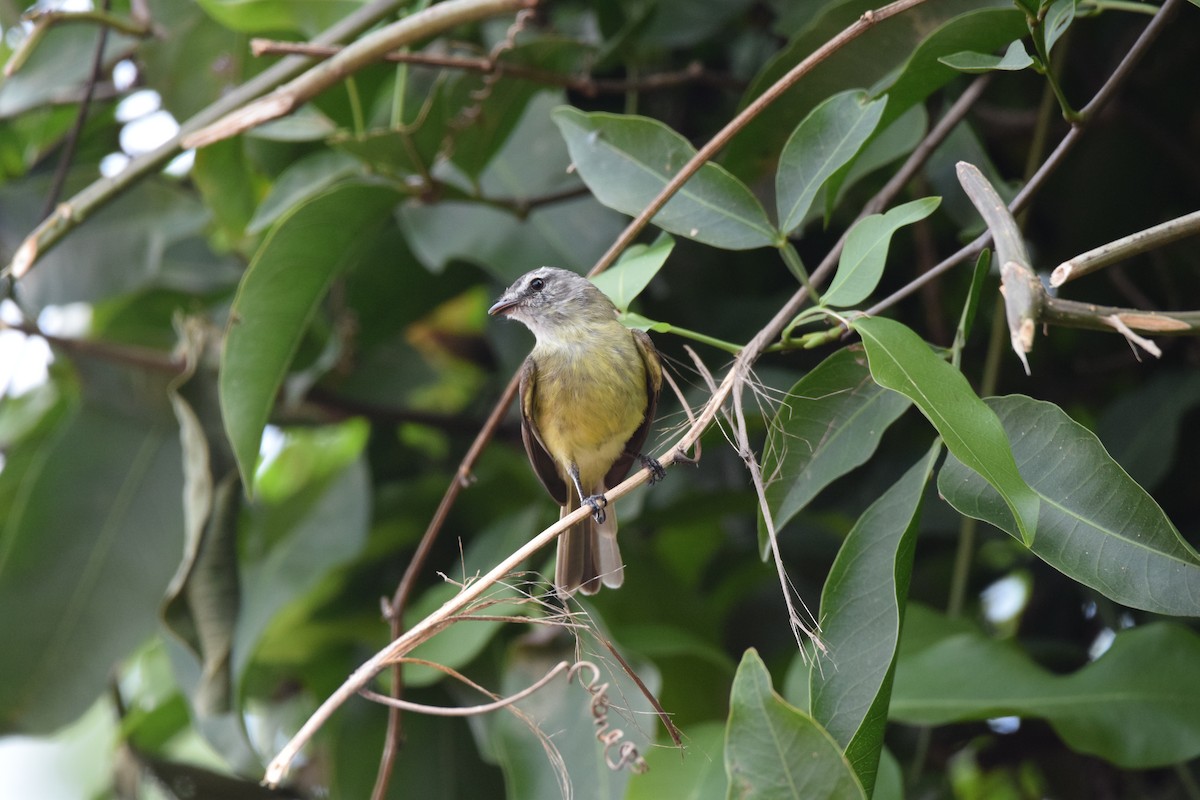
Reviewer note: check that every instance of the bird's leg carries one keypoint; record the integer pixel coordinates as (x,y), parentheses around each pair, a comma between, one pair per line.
(596,502)
(657,473)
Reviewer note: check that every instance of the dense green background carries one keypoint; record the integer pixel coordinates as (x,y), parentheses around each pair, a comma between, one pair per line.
(178,592)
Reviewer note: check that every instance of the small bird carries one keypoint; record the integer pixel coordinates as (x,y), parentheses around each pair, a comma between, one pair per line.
(588,393)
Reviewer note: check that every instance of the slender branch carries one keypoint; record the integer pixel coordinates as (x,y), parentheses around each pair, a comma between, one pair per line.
(467,711)
(74,211)
(85,105)
(584,84)
(1126,246)
(1073,314)
(1083,118)
(361,53)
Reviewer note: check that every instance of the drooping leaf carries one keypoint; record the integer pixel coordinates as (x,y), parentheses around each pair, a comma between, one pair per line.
(1134,706)
(92,531)
(1015,58)
(861,609)
(865,253)
(831,422)
(277,298)
(901,361)
(774,750)
(822,143)
(627,160)
(637,266)
(1096,525)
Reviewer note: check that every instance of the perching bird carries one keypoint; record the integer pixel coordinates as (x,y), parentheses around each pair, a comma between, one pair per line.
(588,393)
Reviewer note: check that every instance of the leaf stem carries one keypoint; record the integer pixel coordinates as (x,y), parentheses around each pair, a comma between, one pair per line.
(790,257)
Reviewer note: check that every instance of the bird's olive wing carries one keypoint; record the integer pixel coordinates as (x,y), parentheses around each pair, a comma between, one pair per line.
(633,447)
(543,465)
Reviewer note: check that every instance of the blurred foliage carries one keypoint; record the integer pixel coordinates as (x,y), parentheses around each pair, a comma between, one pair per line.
(269,361)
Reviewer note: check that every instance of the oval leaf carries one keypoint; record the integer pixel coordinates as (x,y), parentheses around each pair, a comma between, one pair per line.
(1015,58)
(626,161)
(901,361)
(822,143)
(831,422)
(774,750)
(863,257)
(1096,525)
(637,267)
(279,295)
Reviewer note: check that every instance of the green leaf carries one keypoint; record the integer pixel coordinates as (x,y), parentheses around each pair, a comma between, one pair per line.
(861,609)
(865,253)
(696,776)
(1058,18)
(269,16)
(627,160)
(626,279)
(91,533)
(981,30)
(774,750)
(902,362)
(278,297)
(822,143)
(1096,525)
(1015,58)
(831,423)
(1135,705)
(304,179)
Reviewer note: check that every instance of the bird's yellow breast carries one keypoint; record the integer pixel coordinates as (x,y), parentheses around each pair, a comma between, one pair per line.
(591,397)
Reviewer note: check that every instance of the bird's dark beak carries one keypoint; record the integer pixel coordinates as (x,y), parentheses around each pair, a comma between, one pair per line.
(501,306)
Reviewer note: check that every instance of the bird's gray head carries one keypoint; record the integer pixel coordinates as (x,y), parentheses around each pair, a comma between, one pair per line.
(553,301)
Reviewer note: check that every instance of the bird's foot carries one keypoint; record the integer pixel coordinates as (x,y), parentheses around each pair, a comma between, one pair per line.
(597,502)
(657,473)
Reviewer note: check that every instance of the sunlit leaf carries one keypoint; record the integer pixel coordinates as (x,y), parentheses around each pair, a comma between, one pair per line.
(865,253)
(637,266)
(902,362)
(1014,59)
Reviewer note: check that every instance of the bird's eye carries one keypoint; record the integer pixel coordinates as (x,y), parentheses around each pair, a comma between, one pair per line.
(537,284)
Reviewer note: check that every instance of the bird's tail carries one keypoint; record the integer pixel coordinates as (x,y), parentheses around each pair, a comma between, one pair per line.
(588,556)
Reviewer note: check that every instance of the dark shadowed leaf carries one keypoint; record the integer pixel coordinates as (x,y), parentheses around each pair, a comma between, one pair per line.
(1141,427)
(1096,525)
(831,422)
(1135,705)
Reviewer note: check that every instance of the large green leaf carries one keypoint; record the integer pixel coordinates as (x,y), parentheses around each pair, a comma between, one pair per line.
(831,422)
(269,16)
(1136,705)
(1096,525)
(278,297)
(902,362)
(774,750)
(627,160)
(822,144)
(861,609)
(91,532)
(865,253)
